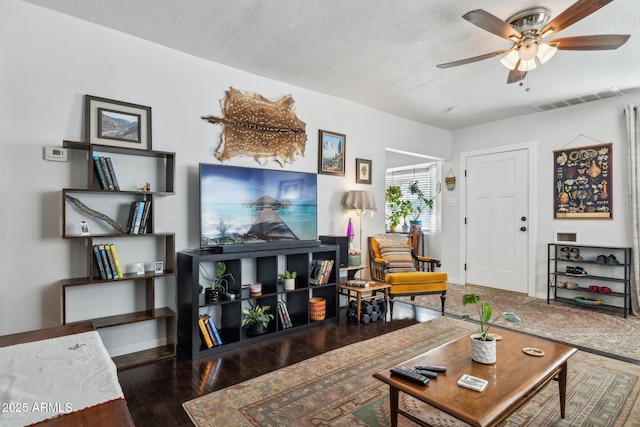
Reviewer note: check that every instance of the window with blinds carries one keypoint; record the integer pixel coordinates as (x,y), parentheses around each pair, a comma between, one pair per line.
(425,174)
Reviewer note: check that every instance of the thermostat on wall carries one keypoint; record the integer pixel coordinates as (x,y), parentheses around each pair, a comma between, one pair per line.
(57,154)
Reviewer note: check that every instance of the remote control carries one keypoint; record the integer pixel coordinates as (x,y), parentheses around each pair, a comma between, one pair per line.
(473,383)
(410,375)
(432,368)
(428,374)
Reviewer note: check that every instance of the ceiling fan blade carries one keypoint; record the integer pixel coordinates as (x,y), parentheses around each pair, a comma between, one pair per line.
(574,13)
(515,75)
(491,23)
(601,42)
(471,60)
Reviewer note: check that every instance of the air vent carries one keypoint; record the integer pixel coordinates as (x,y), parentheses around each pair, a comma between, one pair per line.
(582,99)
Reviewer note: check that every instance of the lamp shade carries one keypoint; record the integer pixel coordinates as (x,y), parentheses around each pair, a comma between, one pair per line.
(360,202)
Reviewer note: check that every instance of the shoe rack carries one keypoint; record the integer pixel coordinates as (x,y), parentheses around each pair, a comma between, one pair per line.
(594,277)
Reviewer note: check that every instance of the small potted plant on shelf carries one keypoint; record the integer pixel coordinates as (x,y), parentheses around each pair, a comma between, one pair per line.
(483,345)
(257,319)
(423,202)
(220,285)
(289,280)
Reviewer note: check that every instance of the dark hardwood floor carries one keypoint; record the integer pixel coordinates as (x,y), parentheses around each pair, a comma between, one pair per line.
(155,392)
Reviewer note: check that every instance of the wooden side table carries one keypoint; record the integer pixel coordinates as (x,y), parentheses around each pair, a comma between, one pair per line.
(369,293)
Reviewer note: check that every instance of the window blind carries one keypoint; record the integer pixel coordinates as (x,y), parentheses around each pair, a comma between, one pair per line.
(426,176)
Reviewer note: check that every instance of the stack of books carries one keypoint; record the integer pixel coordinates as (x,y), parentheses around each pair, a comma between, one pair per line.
(320,271)
(139,217)
(283,314)
(105,173)
(107,263)
(208,332)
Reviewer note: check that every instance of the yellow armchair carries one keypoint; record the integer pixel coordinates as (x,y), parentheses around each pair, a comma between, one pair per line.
(393,263)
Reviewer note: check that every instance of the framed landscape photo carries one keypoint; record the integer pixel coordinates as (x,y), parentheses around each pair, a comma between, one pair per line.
(331,155)
(117,123)
(363,171)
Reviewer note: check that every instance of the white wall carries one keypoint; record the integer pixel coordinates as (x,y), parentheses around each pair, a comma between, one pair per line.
(587,124)
(50,61)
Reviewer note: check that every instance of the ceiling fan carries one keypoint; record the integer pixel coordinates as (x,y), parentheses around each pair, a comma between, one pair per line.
(526,31)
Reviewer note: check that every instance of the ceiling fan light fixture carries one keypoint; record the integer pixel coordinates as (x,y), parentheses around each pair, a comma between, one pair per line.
(527,65)
(528,50)
(510,60)
(545,52)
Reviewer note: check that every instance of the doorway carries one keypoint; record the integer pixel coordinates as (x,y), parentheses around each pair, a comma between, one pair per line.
(497,238)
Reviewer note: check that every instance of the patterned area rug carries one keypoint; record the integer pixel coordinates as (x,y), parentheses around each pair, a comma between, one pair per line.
(337,389)
(581,327)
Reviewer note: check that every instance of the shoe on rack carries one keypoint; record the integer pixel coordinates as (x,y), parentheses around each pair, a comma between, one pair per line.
(561,284)
(564,252)
(572,285)
(594,288)
(611,260)
(602,259)
(574,254)
(576,271)
(604,290)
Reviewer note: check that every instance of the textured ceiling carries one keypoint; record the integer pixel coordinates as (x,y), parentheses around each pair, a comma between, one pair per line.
(381,53)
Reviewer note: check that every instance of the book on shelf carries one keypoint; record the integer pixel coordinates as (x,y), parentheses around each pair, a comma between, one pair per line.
(105,262)
(105,170)
(99,266)
(116,261)
(204,333)
(283,313)
(358,283)
(100,173)
(320,271)
(145,217)
(136,214)
(112,264)
(112,173)
(216,334)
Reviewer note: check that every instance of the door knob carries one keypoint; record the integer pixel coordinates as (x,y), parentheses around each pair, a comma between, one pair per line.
(524,218)
(523,228)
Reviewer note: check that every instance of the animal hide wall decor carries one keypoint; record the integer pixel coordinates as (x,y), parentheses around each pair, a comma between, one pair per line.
(263,129)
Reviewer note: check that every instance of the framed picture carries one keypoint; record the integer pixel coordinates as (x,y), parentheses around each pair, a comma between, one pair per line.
(116,123)
(159,267)
(332,149)
(84,228)
(363,171)
(582,182)
(139,268)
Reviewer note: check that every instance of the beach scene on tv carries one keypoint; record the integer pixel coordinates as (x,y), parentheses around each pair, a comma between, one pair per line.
(246,205)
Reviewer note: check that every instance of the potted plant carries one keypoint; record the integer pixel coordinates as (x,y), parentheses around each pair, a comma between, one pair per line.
(399,208)
(289,279)
(220,285)
(423,202)
(257,319)
(483,346)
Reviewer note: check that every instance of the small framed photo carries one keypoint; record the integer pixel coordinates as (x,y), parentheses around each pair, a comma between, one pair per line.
(117,123)
(159,267)
(84,228)
(363,171)
(332,152)
(139,268)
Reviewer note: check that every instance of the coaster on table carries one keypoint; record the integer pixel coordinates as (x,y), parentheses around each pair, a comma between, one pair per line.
(533,351)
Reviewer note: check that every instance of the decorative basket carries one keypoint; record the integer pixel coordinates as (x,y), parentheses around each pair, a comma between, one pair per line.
(450,180)
(318,308)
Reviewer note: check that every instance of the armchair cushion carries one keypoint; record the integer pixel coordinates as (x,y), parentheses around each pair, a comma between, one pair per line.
(398,258)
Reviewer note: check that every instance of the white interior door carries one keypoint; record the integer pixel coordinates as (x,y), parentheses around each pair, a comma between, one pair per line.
(497,217)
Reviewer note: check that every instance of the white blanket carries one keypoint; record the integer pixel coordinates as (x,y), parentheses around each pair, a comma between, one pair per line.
(48,378)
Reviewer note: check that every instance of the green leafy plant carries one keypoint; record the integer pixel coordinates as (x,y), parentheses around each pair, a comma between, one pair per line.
(257,314)
(423,200)
(288,275)
(222,277)
(485,311)
(399,208)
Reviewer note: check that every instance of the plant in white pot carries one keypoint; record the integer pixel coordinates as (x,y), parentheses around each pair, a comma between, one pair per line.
(289,280)
(483,346)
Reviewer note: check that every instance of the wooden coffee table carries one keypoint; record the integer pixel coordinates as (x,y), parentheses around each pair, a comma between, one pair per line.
(514,379)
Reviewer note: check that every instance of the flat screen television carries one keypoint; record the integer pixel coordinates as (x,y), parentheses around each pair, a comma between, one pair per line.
(243,205)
